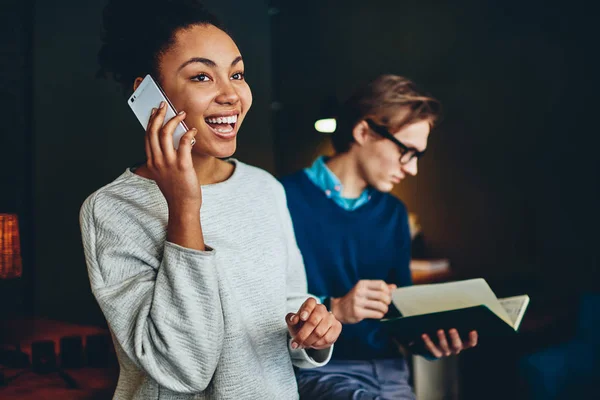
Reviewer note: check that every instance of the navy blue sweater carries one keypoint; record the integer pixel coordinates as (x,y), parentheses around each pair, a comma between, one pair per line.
(341,247)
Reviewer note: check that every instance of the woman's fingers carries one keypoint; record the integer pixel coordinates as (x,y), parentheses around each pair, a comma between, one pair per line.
(148,152)
(295,321)
(321,342)
(312,330)
(305,310)
(330,336)
(187,141)
(321,330)
(159,139)
(156,121)
(166,136)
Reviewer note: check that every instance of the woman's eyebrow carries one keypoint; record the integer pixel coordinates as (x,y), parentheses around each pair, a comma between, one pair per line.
(237,60)
(206,61)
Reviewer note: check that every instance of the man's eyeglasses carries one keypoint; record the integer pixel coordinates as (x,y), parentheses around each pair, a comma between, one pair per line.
(406,153)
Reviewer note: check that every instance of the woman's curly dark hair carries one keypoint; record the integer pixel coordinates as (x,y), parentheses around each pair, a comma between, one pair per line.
(137,32)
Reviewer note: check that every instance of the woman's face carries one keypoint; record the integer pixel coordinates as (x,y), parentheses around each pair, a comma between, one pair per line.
(202,73)
(379,158)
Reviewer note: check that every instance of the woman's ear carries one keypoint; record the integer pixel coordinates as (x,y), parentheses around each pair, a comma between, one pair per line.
(361,133)
(137,82)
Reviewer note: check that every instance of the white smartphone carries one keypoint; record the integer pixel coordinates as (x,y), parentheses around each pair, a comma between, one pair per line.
(148,96)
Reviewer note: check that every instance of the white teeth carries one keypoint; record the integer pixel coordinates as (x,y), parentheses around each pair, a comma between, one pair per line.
(224,130)
(222,120)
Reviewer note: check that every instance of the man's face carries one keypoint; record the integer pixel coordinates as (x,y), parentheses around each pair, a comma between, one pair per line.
(379,158)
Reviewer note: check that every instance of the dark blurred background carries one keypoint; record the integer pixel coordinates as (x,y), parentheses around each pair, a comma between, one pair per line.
(508,190)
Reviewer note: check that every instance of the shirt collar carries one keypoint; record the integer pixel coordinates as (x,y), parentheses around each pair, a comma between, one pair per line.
(329,183)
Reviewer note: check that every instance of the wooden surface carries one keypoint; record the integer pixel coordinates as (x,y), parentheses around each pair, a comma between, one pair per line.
(28,330)
(68,384)
(92,383)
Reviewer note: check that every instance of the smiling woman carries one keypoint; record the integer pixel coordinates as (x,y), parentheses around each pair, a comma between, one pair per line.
(203,74)
(192,256)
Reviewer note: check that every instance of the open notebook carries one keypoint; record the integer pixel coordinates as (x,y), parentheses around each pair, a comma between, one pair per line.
(464,305)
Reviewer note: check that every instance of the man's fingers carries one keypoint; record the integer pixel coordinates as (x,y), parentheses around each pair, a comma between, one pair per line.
(382,296)
(378,290)
(457,344)
(371,314)
(431,346)
(443,342)
(377,285)
(376,306)
(473,339)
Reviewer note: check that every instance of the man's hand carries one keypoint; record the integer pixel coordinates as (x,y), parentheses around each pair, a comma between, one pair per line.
(313,326)
(367,299)
(445,347)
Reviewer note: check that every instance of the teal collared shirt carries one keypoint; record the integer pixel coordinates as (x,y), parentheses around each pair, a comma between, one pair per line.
(326,180)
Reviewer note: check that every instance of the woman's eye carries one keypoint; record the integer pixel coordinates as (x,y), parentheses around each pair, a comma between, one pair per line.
(201,78)
(239,76)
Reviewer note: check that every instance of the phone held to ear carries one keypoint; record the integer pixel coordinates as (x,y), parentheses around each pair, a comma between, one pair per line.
(148,96)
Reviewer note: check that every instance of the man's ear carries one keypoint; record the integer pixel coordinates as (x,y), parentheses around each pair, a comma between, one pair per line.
(361,132)
(137,82)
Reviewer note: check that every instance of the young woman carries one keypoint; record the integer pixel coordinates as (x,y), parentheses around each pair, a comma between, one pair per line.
(191,258)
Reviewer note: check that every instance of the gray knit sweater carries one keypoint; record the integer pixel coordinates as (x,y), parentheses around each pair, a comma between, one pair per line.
(191,324)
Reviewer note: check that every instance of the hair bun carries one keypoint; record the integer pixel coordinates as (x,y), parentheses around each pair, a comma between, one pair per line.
(137,31)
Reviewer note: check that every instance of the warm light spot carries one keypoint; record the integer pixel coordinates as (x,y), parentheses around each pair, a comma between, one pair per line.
(10,248)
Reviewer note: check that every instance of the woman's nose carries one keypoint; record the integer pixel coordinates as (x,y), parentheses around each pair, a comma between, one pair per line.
(227,94)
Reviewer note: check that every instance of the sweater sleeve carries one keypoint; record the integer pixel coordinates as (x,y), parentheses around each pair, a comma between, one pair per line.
(165,312)
(297,291)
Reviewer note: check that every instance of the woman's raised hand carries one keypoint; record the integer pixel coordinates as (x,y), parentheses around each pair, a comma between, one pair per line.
(174,173)
(172,169)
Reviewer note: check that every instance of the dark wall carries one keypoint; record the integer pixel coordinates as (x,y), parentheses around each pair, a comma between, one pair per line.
(509,185)
(508,189)
(85,136)
(16,138)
